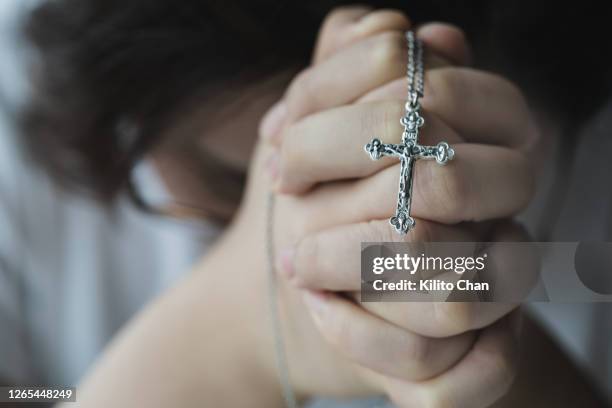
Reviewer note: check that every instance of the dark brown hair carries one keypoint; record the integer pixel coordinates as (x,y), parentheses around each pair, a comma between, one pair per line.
(112,76)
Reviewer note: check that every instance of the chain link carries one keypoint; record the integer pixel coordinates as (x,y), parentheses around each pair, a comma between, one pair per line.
(414,71)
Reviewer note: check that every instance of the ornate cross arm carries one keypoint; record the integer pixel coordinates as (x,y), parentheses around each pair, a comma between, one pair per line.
(377,149)
(442,152)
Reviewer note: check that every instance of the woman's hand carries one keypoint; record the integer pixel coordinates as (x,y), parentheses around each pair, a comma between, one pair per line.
(426,354)
(421,355)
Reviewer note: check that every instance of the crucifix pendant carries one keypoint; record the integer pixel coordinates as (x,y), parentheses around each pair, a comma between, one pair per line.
(408,152)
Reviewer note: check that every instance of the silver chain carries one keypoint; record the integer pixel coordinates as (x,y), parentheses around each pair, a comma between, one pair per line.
(414,71)
(277,332)
(409,150)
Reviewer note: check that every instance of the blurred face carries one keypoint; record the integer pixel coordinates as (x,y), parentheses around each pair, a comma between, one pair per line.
(222,130)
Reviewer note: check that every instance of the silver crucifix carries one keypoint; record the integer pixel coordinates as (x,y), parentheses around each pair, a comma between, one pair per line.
(408,152)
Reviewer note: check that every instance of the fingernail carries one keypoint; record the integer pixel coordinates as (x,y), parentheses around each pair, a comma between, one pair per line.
(272,166)
(285,260)
(273,121)
(315,301)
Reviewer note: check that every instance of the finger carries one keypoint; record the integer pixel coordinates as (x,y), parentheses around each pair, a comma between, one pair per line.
(307,152)
(480,106)
(348,25)
(482,182)
(335,81)
(330,259)
(478,380)
(380,346)
(492,111)
(342,27)
(447,41)
(380,56)
(440,319)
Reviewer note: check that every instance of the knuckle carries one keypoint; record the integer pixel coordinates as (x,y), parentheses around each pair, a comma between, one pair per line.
(516,104)
(454,317)
(510,92)
(300,94)
(454,192)
(382,119)
(302,226)
(291,152)
(338,14)
(387,18)
(448,82)
(508,87)
(388,49)
(393,15)
(441,84)
(339,19)
(457,31)
(306,257)
(340,331)
(294,158)
(446,188)
(391,126)
(502,368)
(456,83)
(424,232)
(378,231)
(418,350)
